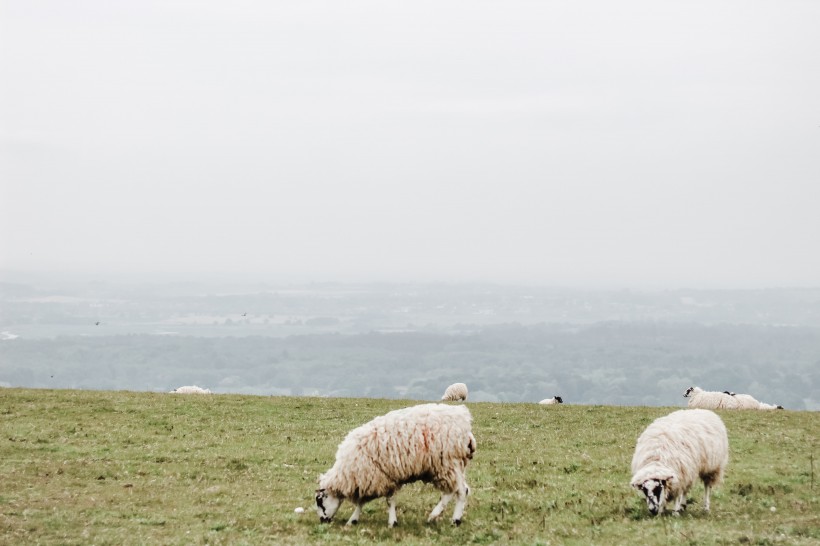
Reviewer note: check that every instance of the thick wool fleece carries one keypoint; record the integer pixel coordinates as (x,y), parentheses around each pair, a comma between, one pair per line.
(681,447)
(455,392)
(702,399)
(429,442)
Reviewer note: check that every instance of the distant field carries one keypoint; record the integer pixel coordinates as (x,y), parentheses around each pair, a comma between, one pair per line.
(99,467)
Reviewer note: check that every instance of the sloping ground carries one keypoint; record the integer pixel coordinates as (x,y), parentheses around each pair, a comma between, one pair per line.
(98,467)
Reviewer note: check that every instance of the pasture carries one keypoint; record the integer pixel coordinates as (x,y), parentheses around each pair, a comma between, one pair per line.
(101,467)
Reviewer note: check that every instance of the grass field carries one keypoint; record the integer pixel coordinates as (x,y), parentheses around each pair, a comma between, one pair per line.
(90,467)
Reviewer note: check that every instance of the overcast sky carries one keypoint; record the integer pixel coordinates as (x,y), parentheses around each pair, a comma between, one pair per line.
(623,144)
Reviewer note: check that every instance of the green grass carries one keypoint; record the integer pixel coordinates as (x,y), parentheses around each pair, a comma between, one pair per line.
(89,467)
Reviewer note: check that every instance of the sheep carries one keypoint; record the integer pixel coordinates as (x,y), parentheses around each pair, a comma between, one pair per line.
(699,398)
(553,400)
(455,392)
(747,401)
(673,451)
(191,389)
(428,442)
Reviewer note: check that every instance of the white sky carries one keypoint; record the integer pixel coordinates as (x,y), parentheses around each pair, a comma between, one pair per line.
(630,143)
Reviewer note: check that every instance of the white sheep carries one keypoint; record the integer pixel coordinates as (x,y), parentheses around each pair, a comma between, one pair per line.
(455,392)
(191,389)
(674,451)
(699,398)
(747,401)
(553,400)
(429,442)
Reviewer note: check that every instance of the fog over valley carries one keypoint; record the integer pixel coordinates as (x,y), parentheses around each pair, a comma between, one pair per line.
(508,343)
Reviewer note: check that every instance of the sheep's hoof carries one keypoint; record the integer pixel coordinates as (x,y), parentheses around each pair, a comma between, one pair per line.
(456,522)
(393,524)
(354,522)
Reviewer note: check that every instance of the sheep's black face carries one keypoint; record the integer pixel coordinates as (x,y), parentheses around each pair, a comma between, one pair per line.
(688,392)
(559,399)
(326,505)
(655,493)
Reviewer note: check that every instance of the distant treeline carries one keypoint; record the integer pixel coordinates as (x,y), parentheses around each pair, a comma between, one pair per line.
(606,363)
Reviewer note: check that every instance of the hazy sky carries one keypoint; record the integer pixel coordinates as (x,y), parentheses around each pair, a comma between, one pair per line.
(629,143)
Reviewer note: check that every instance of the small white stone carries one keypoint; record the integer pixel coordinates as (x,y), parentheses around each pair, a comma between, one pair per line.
(299,510)
(773,509)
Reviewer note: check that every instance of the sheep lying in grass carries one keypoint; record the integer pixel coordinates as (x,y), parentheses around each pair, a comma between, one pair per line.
(699,398)
(429,442)
(190,389)
(455,392)
(747,401)
(553,400)
(674,451)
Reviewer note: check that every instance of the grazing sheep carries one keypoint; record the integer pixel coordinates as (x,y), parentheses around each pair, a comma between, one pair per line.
(191,389)
(455,392)
(553,400)
(747,401)
(699,398)
(429,442)
(674,451)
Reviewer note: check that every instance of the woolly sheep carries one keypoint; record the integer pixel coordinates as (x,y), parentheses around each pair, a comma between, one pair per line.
(553,400)
(747,401)
(191,389)
(673,451)
(699,398)
(429,442)
(455,392)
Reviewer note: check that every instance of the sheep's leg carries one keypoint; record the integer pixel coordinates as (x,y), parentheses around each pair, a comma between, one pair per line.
(445,500)
(461,502)
(708,490)
(679,503)
(354,519)
(392,521)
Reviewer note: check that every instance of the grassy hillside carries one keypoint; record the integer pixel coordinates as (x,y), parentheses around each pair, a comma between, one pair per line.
(86,467)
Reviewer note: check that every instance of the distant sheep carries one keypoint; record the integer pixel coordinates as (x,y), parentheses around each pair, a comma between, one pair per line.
(747,401)
(699,398)
(553,400)
(674,451)
(429,442)
(190,389)
(455,392)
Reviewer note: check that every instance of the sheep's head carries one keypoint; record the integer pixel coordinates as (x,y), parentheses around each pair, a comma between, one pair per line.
(326,505)
(688,392)
(655,493)
(559,399)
